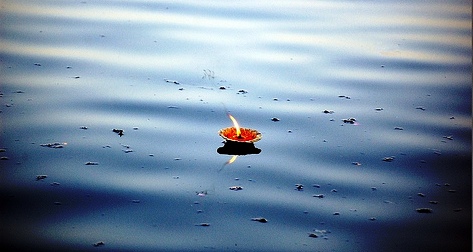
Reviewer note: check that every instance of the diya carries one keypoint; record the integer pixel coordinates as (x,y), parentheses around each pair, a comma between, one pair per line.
(239,141)
(240,135)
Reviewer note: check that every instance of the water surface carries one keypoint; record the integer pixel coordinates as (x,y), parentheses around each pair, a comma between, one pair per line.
(166,73)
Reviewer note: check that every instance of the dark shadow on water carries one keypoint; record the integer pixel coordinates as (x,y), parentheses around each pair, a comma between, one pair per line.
(237,148)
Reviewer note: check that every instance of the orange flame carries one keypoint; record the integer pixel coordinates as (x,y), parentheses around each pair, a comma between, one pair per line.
(235,123)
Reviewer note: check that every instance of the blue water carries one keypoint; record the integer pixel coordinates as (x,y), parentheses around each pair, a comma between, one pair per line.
(167,73)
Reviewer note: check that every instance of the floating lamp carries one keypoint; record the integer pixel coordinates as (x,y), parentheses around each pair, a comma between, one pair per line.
(238,134)
(239,141)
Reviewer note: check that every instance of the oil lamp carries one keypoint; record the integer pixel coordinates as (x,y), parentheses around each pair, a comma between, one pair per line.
(239,141)
(238,134)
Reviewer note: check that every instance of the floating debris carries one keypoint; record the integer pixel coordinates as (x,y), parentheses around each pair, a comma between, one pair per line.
(320,196)
(421,195)
(92,163)
(344,96)
(328,111)
(424,210)
(136,201)
(118,131)
(356,163)
(83,127)
(135,128)
(222,88)
(99,244)
(374,188)
(316,185)
(398,128)
(54,145)
(275,119)
(173,107)
(41,177)
(235,188)
(299,187)
(336,213)
(350,120)
(172,81)
(275,99)
(421,108)
(201,193)
(242,91)
(379,109)
(4,158)
(260,219)
(313,235)
(334,190)
(448,137)
(127,150)
(372,218)
(203,224)
(55,184)
(37,64)
(388,159)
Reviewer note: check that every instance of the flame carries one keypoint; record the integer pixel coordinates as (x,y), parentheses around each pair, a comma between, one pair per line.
(235,123)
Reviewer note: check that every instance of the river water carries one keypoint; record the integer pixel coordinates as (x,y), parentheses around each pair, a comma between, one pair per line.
(164,75)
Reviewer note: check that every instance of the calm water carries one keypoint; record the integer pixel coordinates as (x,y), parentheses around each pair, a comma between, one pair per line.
(166,73)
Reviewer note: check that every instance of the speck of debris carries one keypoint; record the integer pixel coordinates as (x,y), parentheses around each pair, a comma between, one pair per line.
(421,108)
(118,131)
(275,119)
(320,196)
(398,128)
(54,145)
(83,127)
(350,120)
(4,158)
(235,188)
(334,190)
(421,195)
(344,96)
(55,184)
(260,219)
(336,213)
(378,109)
(316,185)
(328,111)
(99,244)
(41,177)
(299,187)
(135,128)
(388,159)
(242,91)
(313,235)
(424,210)
(356,163)
(222,88)
(37,64)
(373,189)
(92,163)
(203,224)
(448,137)
(135,201)
(173,107)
